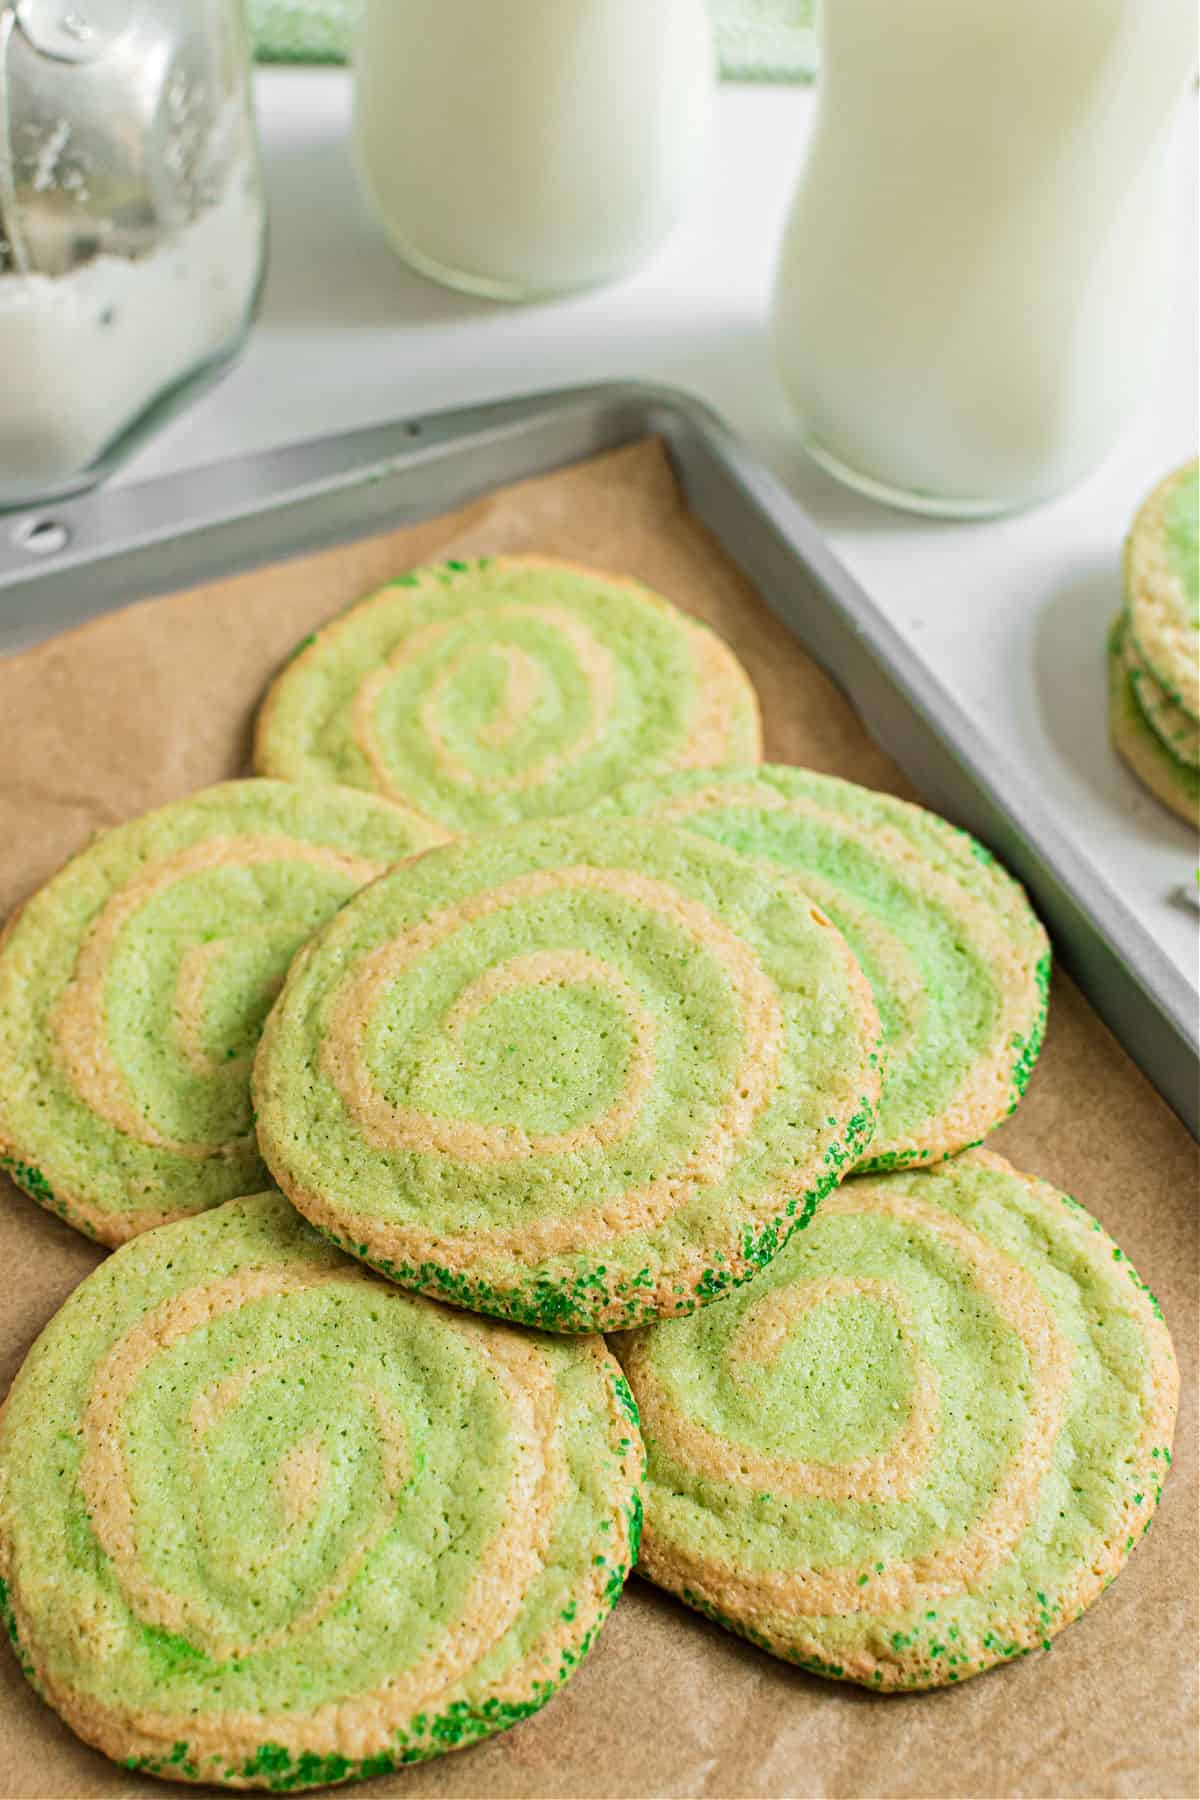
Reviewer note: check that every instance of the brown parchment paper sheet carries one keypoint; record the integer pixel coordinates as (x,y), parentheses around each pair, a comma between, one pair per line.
(144,705)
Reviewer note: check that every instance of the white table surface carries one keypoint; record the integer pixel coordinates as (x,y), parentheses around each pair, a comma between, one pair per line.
(1012,614)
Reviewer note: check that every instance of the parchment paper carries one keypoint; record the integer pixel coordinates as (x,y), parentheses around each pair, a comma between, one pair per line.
(144,705)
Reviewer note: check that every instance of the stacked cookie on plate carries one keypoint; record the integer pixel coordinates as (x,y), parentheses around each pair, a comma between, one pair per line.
(550,1012)
(1154,646)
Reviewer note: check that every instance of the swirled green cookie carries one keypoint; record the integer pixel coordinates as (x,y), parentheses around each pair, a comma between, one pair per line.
(509,688)
(133,987)
(922,1442)
(1173,781)
(1162,588)
(577,1073)
(958,962)
(268,1521)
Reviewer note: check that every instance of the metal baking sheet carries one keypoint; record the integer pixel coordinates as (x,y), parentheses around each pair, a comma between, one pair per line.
(106,549)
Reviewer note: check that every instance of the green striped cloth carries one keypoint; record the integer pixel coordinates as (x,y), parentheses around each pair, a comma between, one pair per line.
(759,40)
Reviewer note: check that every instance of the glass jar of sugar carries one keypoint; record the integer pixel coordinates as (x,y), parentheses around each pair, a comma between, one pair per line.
(523,148)
(132,226)
(976,274)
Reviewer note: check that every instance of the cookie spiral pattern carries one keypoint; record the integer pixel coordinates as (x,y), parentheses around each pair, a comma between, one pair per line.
(266,1520)
(134,985)
(923,1442)
(958,963)
(481,693)
(576,1074)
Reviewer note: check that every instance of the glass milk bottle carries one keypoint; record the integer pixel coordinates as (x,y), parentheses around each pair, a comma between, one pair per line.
(975,276)
(521,148)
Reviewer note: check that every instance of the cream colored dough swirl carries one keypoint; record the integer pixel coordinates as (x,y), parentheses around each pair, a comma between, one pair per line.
(966,1438)
(295,1488)
(492,1603)
(522,685)
(394,1127)
(79,1021)
(891,1474)
(321,1515)
(982,1093)
(510,687)
(135,983)
(199,966)
(955,956)
(903,1586)
(296,1484)
(575,1072)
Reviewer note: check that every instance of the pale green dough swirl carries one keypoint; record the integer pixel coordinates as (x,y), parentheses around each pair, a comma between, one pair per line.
(957,960)
(134,985)
(481,693)
(577,1074)
(266,1520)
(922,1442)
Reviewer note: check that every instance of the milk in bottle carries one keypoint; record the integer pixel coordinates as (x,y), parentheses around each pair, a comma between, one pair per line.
(971,293)
(518,148)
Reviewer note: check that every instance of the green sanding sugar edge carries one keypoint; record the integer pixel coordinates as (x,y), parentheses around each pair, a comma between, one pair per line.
(459,1726)
(590,1301)
(9,1619)
(32,1182)
(935,1664)
(1028,1047)
(928,1653)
